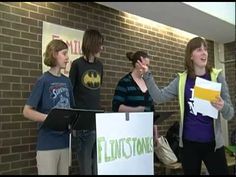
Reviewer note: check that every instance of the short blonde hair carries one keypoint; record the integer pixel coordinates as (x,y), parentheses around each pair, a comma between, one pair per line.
(53,47)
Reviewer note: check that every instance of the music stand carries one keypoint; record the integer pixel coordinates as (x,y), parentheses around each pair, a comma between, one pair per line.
(60,119)
(85,119)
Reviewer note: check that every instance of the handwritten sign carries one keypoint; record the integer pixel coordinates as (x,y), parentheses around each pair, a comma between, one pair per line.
(125,147)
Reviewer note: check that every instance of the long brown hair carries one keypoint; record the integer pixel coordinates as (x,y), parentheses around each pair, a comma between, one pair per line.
(92,41)
(191,46)
(53,47)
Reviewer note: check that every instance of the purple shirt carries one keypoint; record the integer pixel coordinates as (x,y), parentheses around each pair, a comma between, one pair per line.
(197,127)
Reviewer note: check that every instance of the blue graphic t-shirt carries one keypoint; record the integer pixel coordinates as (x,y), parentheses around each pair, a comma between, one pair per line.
(49,92)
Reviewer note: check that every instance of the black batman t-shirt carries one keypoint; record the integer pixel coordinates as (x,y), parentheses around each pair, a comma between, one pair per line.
(86,80)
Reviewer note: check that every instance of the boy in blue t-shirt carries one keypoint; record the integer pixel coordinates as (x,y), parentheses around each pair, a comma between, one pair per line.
(52,90)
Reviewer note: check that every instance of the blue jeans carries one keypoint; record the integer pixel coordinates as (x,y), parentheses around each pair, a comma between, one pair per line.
(86,152)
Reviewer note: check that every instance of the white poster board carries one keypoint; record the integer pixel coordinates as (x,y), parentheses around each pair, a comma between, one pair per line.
(72,37)
(125,147)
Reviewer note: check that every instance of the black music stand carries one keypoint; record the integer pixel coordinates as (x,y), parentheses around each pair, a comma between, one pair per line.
(60,119)
(85,119)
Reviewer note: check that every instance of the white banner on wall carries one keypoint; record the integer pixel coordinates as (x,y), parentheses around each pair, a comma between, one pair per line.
(125,147)
(72,37)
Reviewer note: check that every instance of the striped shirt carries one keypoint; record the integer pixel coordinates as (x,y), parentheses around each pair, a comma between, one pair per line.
(128,93)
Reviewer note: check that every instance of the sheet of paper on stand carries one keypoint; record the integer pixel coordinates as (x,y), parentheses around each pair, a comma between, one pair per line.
(204,92)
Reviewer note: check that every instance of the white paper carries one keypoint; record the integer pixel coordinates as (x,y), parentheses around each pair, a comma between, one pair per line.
(207,84)
(202,106)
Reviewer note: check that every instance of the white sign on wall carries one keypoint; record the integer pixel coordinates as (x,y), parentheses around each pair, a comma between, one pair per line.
(125,147)
(72,37)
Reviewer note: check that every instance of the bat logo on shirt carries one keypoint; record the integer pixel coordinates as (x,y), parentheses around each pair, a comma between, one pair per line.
(91,79)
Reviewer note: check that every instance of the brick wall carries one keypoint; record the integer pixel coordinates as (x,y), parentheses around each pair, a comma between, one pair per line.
(230,73)
(20,64)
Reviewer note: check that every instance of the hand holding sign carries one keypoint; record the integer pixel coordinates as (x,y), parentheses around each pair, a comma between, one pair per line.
(218,103)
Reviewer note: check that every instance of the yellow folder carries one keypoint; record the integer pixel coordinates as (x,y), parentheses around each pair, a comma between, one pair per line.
(205,94)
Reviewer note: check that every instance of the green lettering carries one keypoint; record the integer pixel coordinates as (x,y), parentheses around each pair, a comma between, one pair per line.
(134,140)
(100,140)
(140,146)
(121,141)
(151,145)
(130,148)
(123,148)
(146,145)
(107,158)
(117,149)
(112,142)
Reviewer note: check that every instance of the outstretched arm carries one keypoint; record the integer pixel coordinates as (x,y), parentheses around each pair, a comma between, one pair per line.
(157,94)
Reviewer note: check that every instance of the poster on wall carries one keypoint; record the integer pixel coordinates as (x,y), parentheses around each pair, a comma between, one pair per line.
(125,143)
(72,37)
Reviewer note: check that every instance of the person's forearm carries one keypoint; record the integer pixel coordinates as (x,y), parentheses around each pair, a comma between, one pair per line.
(155,134)
(153,89)
(34,115)
(228,109)
(124,108)
(155,131)
(160,95)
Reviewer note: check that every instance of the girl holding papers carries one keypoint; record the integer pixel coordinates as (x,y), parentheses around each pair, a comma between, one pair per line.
(200,135)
